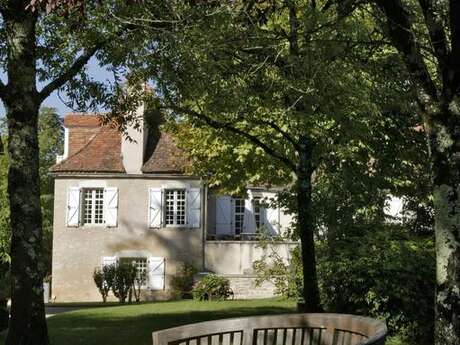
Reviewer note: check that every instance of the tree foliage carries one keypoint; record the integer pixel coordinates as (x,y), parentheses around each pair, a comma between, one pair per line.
(368,274)
(244,84)
(47,44)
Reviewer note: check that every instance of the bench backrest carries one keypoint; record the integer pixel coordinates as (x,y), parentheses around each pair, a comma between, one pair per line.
(287,329)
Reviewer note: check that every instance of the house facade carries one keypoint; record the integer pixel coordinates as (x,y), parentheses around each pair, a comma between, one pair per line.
(119,200)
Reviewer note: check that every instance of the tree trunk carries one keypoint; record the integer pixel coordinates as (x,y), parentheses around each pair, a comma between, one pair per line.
(304,206)
(444,143)
(27,325)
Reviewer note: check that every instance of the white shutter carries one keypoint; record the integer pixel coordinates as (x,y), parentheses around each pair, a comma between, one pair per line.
(73,206)
(155,207)
(272,220)
(110,206)
(224,215)
(156,273)
(249,220)
(193,207)
(109,260)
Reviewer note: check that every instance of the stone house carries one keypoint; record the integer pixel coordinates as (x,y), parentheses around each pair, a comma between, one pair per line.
(118,200)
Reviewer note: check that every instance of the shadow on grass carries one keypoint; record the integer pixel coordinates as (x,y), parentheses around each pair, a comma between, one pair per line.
(104,328)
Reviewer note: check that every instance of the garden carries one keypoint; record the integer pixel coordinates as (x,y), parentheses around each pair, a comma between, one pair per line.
(134,324)
(341,106)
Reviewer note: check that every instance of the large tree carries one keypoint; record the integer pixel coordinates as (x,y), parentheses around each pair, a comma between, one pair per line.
(51,141)
(426,34)
(272,75)
(47,42)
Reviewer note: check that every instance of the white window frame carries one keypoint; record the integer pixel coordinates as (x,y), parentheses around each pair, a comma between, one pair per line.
(93,206)
(258,210)
(175,207)
(235,214)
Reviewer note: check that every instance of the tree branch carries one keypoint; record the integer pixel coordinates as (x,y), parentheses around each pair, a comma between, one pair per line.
(71,72)
(228,126)
(437,37)
(278,129)
(399,28)
(293,24)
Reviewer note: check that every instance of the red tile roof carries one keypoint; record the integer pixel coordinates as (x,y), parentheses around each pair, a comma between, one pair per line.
(100,151)
(166,157)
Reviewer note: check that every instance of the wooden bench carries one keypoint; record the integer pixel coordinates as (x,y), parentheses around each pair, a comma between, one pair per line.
(287,329)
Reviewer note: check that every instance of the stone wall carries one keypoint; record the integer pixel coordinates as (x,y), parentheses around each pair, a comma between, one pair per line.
(234,259)
(244,287)
(77,251)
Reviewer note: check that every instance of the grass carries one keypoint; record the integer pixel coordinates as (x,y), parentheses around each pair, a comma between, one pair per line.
(133,324)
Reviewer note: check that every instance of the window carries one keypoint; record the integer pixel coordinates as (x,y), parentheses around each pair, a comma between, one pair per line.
(257,212)
(238,214)
(93,206)
(175,207)
(141,267)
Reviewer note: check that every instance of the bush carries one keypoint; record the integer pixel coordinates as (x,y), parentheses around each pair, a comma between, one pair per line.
(285,276)
(385,273)
(123,280)
(388,274)
(182,284)
(139,281)
(103,279)
(212,287)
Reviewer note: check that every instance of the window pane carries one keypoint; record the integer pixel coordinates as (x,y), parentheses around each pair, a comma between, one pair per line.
(93,206)
(169,203)
(180,209)
(99,206)
(257,211)
(88,207)
(141,268)
(140,264)
(175,207)
(239,215)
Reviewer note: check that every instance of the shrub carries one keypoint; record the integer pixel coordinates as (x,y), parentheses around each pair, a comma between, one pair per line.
(103,279)
(385,273)
(123,280)
(286,276)
(182,284)
(139,281)
(212,287)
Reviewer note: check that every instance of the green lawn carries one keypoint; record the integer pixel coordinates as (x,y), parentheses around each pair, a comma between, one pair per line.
(133,324)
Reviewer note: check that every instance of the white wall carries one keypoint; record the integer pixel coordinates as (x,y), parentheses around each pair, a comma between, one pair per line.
(237,257)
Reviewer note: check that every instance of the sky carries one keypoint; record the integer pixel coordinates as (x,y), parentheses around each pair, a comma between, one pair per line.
(98,73)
